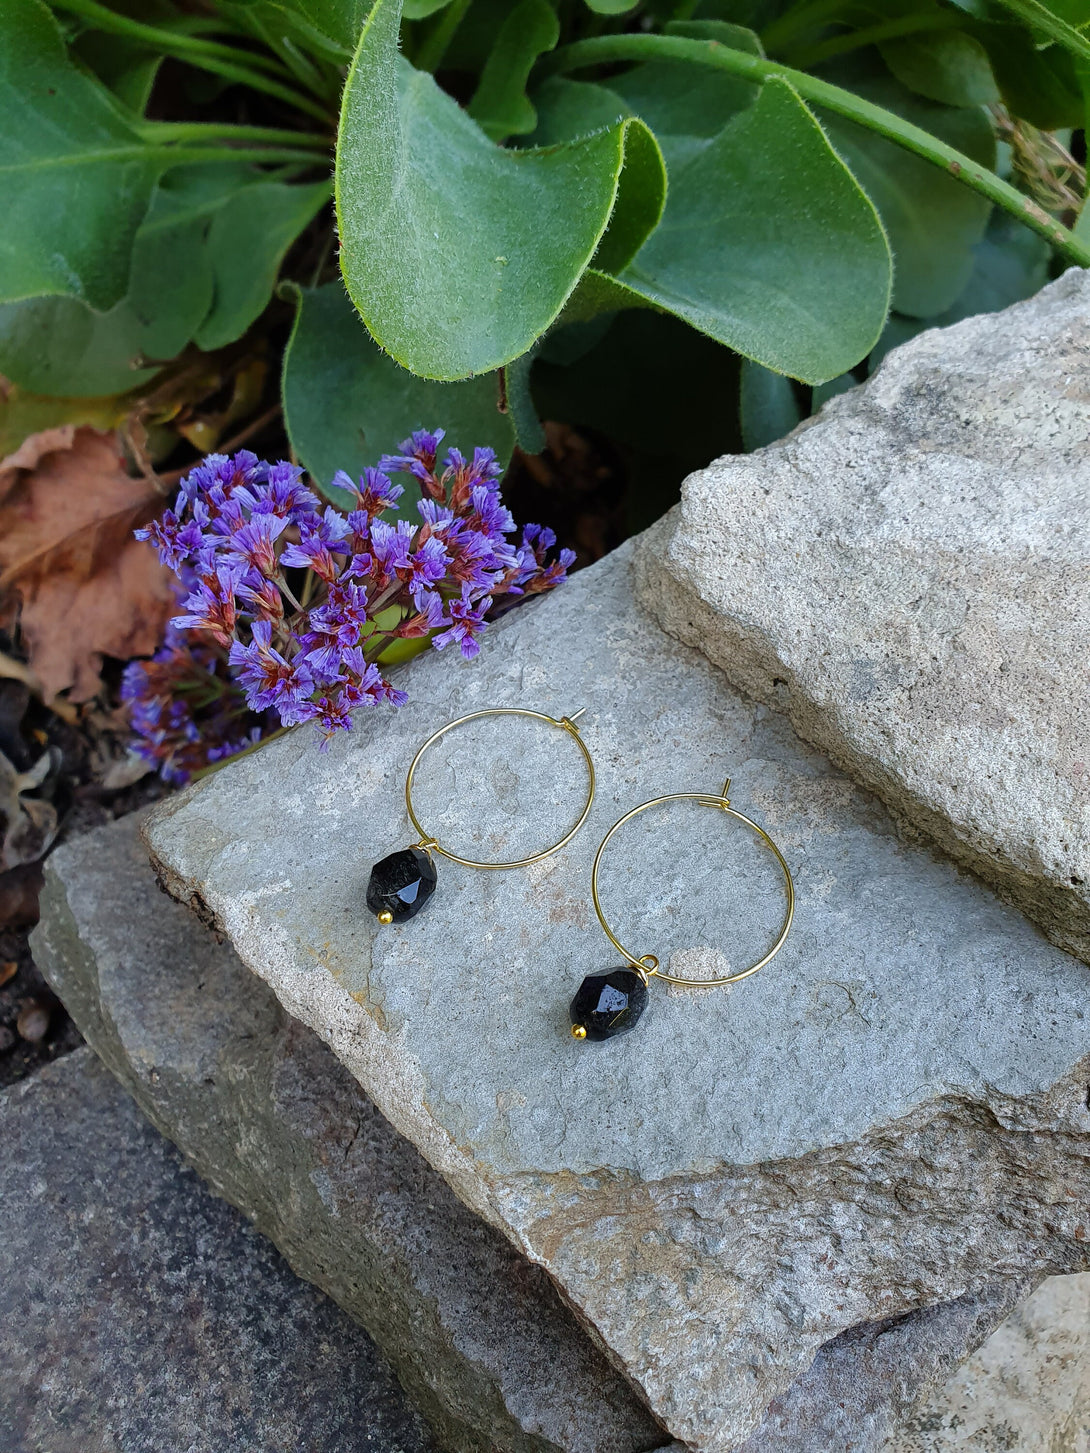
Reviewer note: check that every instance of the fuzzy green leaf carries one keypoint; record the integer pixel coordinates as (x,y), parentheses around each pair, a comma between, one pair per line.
(346,402)
(500,105)
(678,99)
(520,404)
(75,177)
(1009,263)
(458,254)
(204,265)
(248,239)
(769,244)
(567,109)
(933,221)
(328,27)
(1040,86)
(58,345)
(947,66)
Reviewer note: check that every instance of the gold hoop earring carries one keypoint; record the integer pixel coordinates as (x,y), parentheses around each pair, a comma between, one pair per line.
(403,882)
(611,1003)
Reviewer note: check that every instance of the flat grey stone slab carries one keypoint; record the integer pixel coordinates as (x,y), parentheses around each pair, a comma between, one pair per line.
(269,1115)
(264,1110)
(861,1130)
(908,576)
(140,1314)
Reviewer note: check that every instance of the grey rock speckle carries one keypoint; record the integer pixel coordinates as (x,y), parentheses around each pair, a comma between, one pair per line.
(908,576)
(139,1313)
(889,1116)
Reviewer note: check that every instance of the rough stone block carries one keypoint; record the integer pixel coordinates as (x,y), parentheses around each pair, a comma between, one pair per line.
(1026,1390)
(908,577)
(267,1113)
(140,1314)
(891,1115)
(478,1335)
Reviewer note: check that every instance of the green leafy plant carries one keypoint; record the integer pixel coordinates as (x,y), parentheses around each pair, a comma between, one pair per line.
(767,196)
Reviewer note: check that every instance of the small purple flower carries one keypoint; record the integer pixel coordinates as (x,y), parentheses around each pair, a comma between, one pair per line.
(363,683)
(331,713)
(489,514)
(390,546)
(334,627)
(262,596)
(467,617)
(269,680)
(211,606)
(429,617)
(427,566)
(282,494)
(376,491)
(436,516)
(176,540)
(483,466)
(255,542)
(417,458)
(319,538)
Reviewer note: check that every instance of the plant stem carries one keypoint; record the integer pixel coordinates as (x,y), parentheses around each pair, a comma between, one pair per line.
(182,155)
(1033,13)
(205,55)
(171,42)
(798,20)
(245,77)
(804,57)
(216,131)
(434,46)
(369,652)
(845,103)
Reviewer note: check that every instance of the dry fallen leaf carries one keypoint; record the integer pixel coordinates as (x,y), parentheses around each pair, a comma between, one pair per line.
(86,588)
(27,824)
(19,891)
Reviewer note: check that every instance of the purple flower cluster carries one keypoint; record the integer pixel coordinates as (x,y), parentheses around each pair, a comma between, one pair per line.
(184,710)
(362,583)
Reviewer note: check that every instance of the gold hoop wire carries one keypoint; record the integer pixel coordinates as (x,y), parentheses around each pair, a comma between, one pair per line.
(647,966)
(565,723)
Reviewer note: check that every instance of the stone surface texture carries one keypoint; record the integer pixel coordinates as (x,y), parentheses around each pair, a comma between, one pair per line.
(140,1314)
(265,1112)
(908,576)
(1026,1390)
(268,1114)
(891,1115)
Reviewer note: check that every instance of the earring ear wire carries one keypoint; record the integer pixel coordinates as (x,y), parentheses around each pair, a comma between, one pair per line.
(612,1003)
(403,882)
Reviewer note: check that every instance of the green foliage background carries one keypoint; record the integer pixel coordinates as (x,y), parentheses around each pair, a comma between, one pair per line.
(684,223)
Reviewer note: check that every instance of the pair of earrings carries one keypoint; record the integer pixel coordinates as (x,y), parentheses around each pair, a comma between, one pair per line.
(605,1004)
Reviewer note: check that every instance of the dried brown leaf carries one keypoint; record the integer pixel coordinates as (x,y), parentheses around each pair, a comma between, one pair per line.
(87,588)
(19,891)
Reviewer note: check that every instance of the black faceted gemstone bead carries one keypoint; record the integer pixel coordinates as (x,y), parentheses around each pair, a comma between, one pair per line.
(608,1004)
(401,884)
